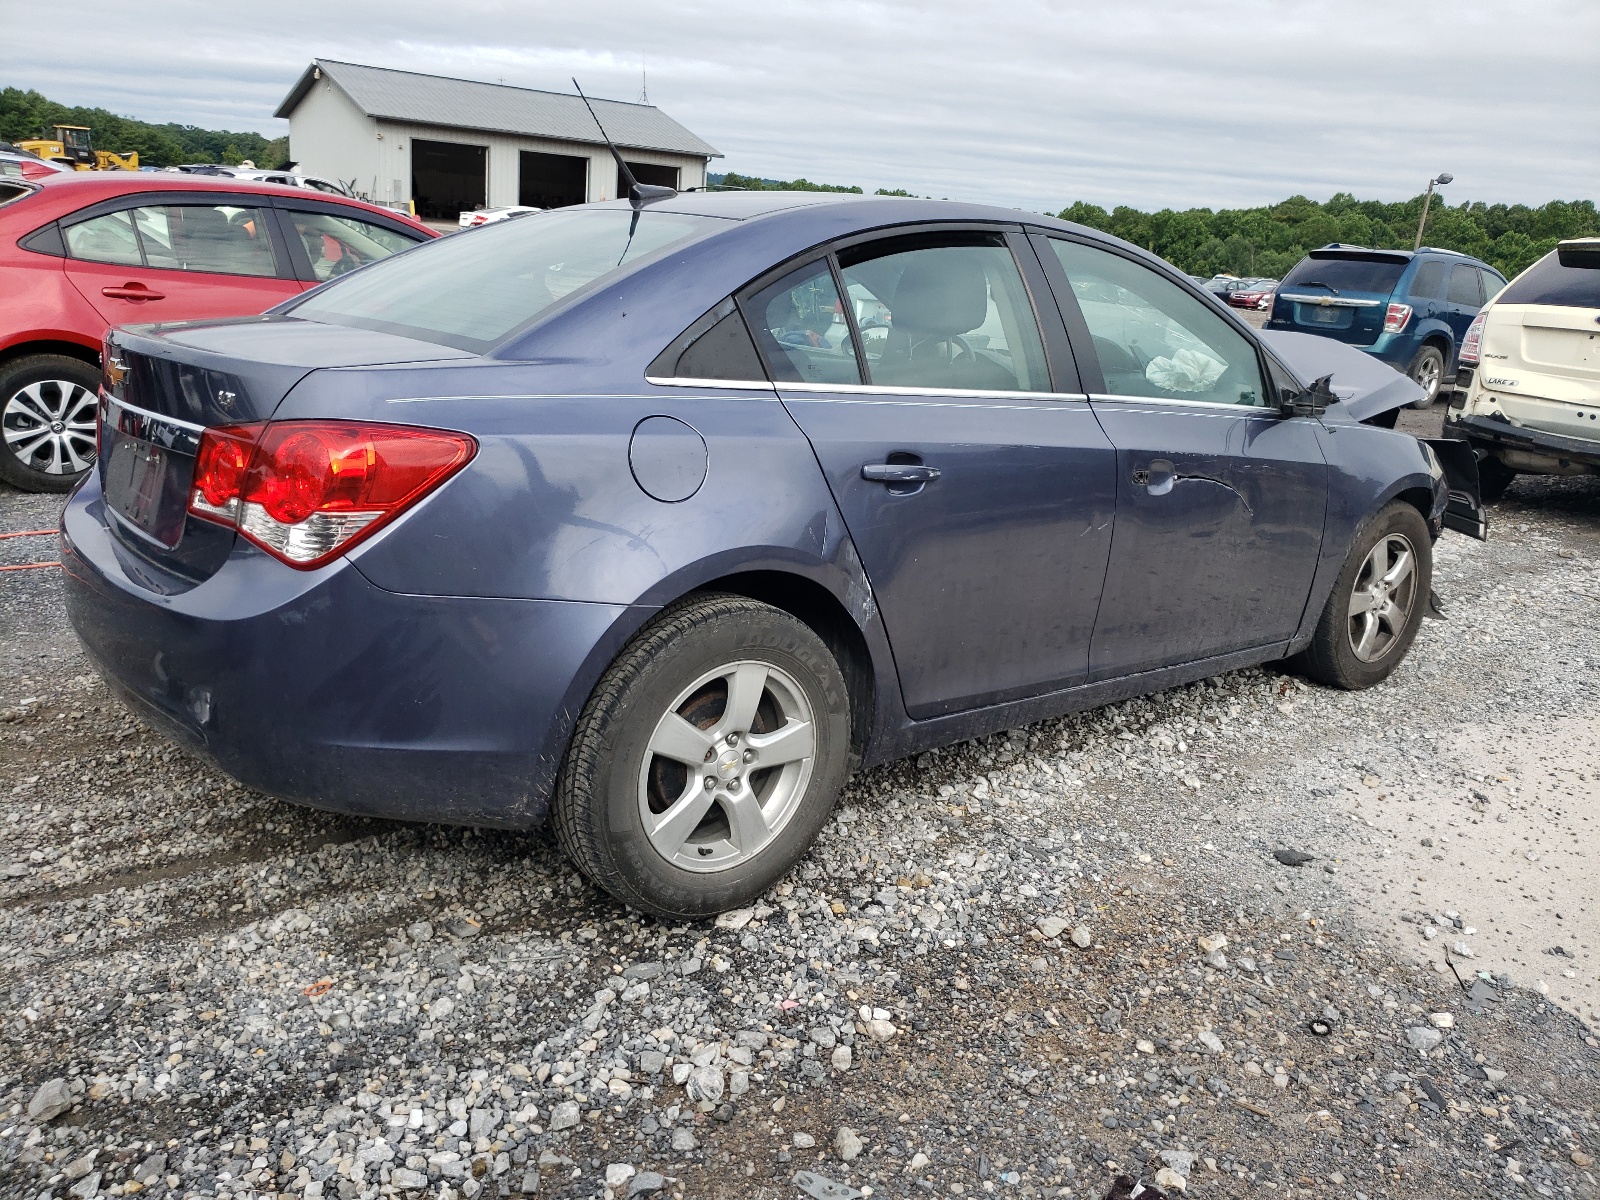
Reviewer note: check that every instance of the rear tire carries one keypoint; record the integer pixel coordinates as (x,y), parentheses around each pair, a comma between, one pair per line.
(1494,477)
(752,696)
(1427,371)
(48,411)
(1377,603)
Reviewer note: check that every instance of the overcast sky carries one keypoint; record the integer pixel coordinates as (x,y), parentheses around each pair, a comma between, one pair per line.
(1034,103)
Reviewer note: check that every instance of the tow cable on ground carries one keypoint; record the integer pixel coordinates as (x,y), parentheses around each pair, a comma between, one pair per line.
(29,566)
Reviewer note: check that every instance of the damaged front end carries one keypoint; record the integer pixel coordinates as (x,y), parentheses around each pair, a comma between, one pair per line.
(1464,510)
(1372,393)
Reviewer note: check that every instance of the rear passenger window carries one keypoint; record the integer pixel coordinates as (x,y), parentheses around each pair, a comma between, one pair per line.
(1155,339)
(1464,286)
(951,317)
(800,325)
(214,239)
(1492,284)
(1428,283)
(107,239)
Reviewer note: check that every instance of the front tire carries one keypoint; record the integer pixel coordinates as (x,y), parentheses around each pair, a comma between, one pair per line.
(1427,372)
(48,411)
(707,760)
(1377,603)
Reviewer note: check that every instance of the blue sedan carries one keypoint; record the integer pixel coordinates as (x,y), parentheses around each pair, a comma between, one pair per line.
(660,519)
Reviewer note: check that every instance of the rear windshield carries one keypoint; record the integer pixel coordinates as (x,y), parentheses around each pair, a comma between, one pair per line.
(1340,275)
(1548,282)
(470,290)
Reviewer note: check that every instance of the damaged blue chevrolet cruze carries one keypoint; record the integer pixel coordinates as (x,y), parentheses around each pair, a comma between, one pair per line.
(661,519)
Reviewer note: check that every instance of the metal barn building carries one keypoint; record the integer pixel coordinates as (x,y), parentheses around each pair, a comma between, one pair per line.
(452,145)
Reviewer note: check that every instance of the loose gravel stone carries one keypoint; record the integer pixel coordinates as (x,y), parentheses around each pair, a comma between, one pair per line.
(847,1146)
(246,998)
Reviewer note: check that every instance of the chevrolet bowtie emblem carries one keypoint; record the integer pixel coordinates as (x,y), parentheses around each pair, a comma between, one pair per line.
(1325,302)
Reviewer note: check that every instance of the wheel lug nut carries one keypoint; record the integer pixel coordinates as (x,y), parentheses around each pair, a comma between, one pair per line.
(749,756)
(733,739)
(710,754)
(711,783)
(733,785)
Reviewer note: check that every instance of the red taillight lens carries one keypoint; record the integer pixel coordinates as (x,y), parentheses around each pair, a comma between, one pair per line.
(307,490)
(1472,344)
(1395,319)
(224,459)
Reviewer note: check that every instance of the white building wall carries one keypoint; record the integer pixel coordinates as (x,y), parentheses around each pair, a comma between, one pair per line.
(329,136)
(391,160)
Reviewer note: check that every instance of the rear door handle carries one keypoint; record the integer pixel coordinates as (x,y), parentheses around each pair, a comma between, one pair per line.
(132,291)
(899,473)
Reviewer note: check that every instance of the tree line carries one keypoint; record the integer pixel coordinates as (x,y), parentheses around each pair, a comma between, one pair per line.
(29,114)
(1269,240)
(1264,241)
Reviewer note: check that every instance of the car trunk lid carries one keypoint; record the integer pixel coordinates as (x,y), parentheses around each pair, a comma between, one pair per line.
(164,386)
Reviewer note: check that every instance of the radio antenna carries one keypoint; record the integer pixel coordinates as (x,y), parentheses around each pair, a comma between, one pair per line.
(639,194)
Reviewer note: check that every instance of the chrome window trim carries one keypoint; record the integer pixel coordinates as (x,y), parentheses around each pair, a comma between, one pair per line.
(867,389)
(1330,301)
(1259,409)
(738,385)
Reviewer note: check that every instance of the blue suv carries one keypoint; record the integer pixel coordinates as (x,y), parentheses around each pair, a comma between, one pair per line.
(1410,308)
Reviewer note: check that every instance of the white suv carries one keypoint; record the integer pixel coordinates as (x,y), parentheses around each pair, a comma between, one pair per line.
(1527,392)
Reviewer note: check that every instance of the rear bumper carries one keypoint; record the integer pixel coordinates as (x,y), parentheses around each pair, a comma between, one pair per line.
(1522,448)
(322,688)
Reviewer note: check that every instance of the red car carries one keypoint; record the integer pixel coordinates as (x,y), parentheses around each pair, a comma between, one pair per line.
(82,252)
(1257,293)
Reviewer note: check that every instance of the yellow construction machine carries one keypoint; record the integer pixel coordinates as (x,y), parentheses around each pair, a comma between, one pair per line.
(71,146)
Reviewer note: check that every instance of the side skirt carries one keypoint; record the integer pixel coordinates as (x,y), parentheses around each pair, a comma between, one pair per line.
(916,736)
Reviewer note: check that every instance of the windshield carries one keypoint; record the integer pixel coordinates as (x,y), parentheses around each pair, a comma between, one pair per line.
(1548,282)
(1346,275)
(470,290)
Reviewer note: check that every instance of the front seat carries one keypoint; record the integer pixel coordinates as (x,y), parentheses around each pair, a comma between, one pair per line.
(942,294)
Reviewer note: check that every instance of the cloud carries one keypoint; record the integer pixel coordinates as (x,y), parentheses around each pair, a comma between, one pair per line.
(1032,104)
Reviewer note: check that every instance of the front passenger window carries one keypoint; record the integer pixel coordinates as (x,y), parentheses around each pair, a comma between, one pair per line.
(1155,339)
(338,245)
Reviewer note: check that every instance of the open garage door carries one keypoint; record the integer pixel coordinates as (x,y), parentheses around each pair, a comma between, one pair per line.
(552,180)
(448,178)
(654,175)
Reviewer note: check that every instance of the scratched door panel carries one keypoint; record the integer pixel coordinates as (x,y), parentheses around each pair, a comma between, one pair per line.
(1219,523)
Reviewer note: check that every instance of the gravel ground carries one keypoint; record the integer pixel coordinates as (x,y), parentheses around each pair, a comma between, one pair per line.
(1024,966)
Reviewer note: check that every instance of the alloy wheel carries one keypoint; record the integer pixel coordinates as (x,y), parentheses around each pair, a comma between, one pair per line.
(50,426)
(1428,374)
(727,766)
(1384,594)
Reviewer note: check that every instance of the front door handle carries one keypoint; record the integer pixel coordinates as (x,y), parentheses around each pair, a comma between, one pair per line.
(132,291)
(1158,478)
(899,473)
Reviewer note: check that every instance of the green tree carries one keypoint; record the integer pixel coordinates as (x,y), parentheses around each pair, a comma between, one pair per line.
(1271,239)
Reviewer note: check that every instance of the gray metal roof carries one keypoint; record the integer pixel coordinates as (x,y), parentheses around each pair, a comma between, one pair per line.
(496,108)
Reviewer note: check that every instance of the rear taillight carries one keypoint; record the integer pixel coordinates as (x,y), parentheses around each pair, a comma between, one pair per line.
(1472,343)
(1396,318)
(305,491)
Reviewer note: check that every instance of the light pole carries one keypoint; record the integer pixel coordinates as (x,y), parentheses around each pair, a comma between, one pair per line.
(1442,178)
